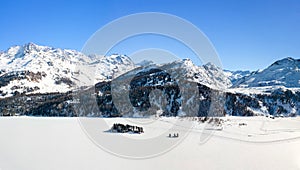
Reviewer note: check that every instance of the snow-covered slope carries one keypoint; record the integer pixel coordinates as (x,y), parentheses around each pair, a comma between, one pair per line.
(145,63)
(39,69)
(235,76)
(108,67)
(217,75)
(208,74)
(285,72)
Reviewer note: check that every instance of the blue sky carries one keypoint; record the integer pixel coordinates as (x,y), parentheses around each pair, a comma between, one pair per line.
(248,34)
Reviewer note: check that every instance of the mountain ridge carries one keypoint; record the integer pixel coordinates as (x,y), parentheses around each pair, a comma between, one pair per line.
(63,70)
(51,77)
(284,72)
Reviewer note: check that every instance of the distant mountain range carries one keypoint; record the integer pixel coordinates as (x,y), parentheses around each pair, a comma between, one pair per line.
(40,80)
(285,73)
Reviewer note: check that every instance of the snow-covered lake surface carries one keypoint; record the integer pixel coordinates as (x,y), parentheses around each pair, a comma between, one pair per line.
(239,143)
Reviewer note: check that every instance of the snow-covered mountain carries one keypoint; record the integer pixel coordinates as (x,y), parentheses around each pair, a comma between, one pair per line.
(48,76)
(282,73)
(209,74)
(217,75)
(144,63)
(40,69)
(235,76)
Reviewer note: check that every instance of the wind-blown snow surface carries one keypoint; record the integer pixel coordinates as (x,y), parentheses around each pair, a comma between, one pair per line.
(59,143)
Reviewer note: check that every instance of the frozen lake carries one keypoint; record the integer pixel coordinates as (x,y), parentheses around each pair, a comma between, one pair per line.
(35,143)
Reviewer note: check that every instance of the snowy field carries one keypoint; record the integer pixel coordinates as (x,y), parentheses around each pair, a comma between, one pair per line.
(35,143)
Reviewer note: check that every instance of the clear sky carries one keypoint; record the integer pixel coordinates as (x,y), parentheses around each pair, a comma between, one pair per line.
(247,34)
